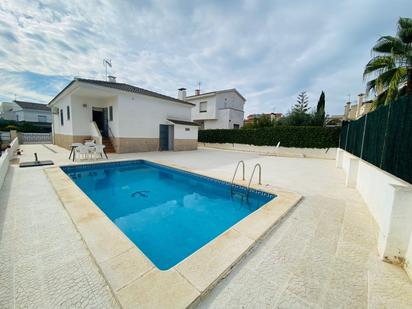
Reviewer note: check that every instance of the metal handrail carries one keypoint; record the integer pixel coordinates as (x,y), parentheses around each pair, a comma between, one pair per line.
(251,177)
(110,131)
(234,175)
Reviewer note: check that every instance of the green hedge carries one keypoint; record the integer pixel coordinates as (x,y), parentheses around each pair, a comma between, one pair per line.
(24,126)
(301,137)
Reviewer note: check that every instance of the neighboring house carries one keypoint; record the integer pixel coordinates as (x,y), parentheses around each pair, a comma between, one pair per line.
(129,118)
(223,109)
(333,120)
(25,111)
(355,111)
(272,116)
(6,110)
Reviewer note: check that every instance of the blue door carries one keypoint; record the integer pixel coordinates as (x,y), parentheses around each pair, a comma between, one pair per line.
(164,137)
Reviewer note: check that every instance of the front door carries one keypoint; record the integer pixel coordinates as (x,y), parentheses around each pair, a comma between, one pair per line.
(101,119)
(165,137)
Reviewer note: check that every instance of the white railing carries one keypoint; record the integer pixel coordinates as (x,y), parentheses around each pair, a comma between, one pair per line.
(95,133)
(5,158)
(35,138)
(5,137)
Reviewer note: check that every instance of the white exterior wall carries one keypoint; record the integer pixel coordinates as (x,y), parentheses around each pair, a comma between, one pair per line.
(224,110)
(67,128)
(5,159)
(408,258)
(115,123)
(81,117)
(141,115)
(181,133)
(211,108)
(389,200)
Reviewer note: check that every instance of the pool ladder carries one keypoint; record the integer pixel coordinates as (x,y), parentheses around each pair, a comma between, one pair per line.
(257,165)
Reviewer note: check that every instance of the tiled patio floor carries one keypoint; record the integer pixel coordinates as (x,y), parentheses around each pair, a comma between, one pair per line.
(322,256)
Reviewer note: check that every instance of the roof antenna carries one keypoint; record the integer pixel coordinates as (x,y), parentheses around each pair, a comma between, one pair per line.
(349,97)
(107,62)
(197,91)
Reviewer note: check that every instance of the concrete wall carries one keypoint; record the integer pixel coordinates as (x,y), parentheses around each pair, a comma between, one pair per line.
(280,151)
(5,159)
(408,258)
(389,200)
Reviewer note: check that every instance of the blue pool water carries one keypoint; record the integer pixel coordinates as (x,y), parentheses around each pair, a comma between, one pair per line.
(166,212)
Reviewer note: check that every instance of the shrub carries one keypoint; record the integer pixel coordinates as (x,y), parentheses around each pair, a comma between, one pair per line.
(288,136)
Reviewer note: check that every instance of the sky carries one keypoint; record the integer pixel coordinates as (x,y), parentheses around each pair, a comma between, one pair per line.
(269,51)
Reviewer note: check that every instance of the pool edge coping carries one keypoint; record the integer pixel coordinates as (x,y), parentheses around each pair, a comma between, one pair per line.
(188,281)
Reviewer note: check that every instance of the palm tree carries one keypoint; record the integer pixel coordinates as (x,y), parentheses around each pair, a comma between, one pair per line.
(391,66)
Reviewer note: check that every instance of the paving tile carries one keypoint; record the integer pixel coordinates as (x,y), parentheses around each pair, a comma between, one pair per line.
(389,285)
(28,291)
(40,250)
(353,253)
(208,263)
(149,291)
(125,268)
(67,286)
(290,301)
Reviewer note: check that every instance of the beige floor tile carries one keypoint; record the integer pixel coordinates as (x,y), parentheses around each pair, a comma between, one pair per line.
(158,289)
(208,263)
(125,268)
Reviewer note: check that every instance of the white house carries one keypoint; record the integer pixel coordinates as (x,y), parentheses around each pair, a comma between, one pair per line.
(25,111)
(223,109)
(129,118)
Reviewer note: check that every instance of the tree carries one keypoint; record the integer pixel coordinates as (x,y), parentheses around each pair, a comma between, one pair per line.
(301,105)
(319,116)
(391,65)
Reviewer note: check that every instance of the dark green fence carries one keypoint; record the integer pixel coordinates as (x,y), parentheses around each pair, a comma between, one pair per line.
(383,138)
(303,137)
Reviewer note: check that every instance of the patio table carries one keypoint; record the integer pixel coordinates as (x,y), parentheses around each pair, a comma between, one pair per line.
(73,146)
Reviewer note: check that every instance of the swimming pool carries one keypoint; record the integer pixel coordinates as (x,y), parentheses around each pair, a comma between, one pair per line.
(167,213)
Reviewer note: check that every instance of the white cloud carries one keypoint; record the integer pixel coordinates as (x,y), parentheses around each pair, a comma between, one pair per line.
(269,51)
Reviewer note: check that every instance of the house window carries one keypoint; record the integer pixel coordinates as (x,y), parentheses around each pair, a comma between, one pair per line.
(187,129)
(68,112)
(111,113)
(41,118)
(236,126)
(61,117)
(203,107)
(17,117)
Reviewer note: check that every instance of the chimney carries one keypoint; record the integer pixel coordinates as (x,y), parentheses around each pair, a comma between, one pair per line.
(197,92)
(347,109)
(112,78)
(181,94)
(360,99)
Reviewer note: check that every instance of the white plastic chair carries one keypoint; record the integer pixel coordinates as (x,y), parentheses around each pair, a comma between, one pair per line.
(90,143)
(82,151)
(99,150)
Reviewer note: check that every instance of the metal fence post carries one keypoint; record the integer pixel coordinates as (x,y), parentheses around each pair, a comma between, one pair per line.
(385,136)
(363,135)
(347,134)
